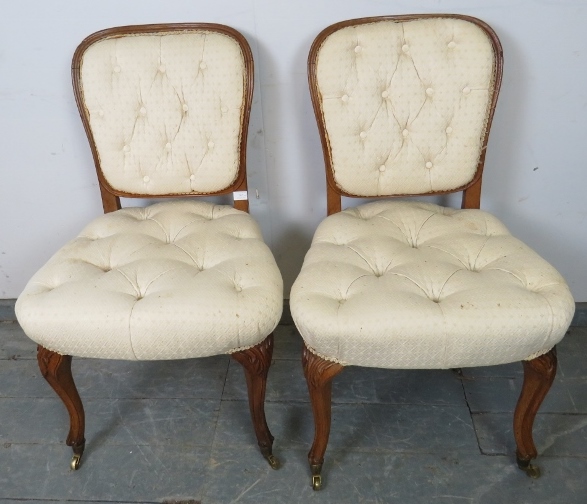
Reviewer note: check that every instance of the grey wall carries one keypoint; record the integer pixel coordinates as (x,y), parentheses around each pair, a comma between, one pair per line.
(536,176)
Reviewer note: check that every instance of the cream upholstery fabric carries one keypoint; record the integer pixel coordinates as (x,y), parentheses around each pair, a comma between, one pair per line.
(165,110)
(174,280)
(405,104)
(397,284)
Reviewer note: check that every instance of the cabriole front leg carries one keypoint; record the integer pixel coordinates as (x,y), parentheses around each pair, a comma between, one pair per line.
(539,374)
(56,369)
(319,374)
(256,362)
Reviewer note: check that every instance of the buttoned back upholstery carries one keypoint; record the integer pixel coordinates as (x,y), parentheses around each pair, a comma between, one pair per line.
(166,107)
(404,103)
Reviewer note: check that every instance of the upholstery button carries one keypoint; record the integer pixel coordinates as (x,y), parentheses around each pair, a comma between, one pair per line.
(449,130)
(382,168)
(385,94)
(466,90)
(430,91)
(116,69)
(168,146)
(146,179)
(126,148)
(362,134)
(358,49)
(143,111)
(192,177)
(185,107)
(210,144)
(238,288)
(452,44)
(405,48)
(162,68)
(405,133)
(344,98)
(428,164)
(203,65)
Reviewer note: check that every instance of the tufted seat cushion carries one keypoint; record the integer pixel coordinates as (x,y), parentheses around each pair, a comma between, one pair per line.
(174,280)
(396,284)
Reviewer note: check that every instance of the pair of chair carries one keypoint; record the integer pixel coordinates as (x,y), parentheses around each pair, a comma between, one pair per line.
(404,106)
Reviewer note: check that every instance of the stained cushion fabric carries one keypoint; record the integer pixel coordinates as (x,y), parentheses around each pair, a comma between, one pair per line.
(397,284)
(173,280)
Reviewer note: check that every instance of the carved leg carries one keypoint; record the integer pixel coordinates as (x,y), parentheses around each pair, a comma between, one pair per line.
(539,374)
(56,369)
(319,374)
(256,362)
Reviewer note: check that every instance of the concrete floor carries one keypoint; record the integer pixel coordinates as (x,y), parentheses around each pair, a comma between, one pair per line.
(180,431)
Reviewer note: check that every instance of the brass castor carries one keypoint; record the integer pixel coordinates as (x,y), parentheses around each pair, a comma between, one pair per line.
(75,461)
(530,469)
(316,482)
(316,477)
(273,461)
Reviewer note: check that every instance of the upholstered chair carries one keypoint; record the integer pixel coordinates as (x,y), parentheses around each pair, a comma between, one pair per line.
(404,105)
(166,111)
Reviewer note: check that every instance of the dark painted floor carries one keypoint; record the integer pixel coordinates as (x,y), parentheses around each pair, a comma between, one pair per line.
(179,431)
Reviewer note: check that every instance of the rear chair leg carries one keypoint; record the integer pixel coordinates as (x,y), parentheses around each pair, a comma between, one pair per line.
(319,374)
(56,369)
(539,374)
(256,362)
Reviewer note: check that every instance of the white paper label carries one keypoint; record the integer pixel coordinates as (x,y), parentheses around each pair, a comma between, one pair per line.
(240,195)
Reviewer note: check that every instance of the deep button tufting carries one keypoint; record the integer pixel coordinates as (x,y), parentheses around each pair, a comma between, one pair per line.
(429,91)
(146,179)
(406,77)
(238,288)
(168,146)
(210,144)
(344,98)
(429,164)
(382,168)
(384,94)
(405,48)
(192,177)
(143,111)
(363,134)
(126,148)
(466,90)
(405,133)
(116,69)
(358,49)
(452,44)
(162,68)
(185,107)
(203,65)
(449,129)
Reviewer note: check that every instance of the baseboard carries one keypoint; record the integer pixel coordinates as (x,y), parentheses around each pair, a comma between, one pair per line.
(7,313)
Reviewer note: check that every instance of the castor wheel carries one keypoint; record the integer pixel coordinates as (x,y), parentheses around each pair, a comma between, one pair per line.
(273,461)
(316,482)
(531,470)
(75,462)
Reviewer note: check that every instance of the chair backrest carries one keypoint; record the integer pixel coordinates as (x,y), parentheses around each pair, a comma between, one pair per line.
(404,104)
(166,109)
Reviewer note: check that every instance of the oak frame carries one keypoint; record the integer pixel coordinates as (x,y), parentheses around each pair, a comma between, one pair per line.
(55,367)
(539,372)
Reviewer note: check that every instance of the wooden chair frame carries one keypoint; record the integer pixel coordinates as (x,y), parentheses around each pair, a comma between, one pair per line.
(56,368)
(539,373)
